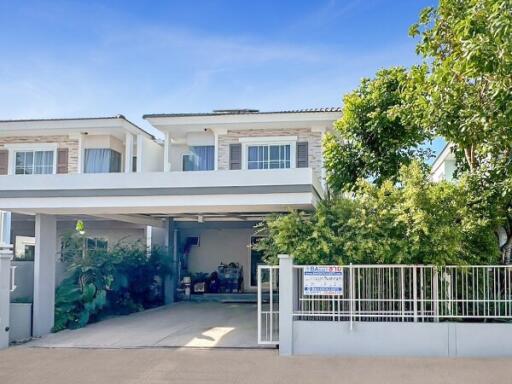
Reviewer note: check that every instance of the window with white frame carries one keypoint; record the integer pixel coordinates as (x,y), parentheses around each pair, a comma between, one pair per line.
(34,162)
(268,156)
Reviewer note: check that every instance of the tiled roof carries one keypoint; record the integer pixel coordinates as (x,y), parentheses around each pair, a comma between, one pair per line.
(116,117)
(224,112)
(66,119)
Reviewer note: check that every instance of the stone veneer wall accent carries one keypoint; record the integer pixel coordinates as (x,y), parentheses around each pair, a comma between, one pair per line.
(303,134)
(61,141)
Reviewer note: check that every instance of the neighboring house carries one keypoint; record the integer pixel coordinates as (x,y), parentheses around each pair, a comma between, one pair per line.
(444,165)
(200,192)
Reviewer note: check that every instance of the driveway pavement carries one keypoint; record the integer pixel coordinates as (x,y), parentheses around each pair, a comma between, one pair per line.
(24,365)
(184,324)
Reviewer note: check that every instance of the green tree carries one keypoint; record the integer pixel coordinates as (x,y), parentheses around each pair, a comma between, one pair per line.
(372,140)
(463,91)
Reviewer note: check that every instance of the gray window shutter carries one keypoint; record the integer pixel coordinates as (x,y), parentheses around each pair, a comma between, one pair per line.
(4,161)
(302,154)
(235,156)
(62,160)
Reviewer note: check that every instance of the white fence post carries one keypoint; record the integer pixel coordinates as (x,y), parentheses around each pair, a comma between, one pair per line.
(351,296)
(5,292)
(285,305)
(415,293)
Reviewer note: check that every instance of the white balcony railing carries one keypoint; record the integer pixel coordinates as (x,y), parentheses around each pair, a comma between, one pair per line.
(148,180)
(162,192)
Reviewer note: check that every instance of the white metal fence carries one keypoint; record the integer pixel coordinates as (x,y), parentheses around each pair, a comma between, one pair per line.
(406,293)
(268,304)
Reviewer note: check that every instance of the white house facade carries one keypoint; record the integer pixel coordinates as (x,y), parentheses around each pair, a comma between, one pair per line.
(444,165)
(200,191)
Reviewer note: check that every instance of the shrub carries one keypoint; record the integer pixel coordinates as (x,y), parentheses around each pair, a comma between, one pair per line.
(414,221)
(101,283)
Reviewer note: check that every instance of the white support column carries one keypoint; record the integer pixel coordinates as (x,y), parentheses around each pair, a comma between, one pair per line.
(140,153)
(216,151)
(171,280)
(81,155)
(128,153)
(44,274)
(167,152)
(217,132)
(5,227)
(5,293)
(285,305)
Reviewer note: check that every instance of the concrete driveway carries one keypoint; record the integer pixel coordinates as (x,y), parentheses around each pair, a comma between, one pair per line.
(184,324)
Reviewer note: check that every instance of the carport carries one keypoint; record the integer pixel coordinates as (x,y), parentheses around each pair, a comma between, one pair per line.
(183,324)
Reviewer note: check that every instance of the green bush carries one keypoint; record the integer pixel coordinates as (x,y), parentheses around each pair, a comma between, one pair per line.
(414,221)
(101,283)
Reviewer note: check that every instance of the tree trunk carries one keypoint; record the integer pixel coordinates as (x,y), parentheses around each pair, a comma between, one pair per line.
(506,249)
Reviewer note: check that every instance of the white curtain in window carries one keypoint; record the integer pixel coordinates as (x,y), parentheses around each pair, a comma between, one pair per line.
(34,162)
(202,158)
(102,160)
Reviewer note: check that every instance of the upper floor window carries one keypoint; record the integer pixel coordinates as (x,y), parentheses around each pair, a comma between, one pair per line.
(34,162)
(102,160)
(268,156)
(200,158)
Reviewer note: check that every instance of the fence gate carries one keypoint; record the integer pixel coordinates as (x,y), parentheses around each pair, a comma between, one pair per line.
(268,304)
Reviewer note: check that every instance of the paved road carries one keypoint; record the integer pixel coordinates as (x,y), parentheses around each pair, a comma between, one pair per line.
(25,365)
(182,324)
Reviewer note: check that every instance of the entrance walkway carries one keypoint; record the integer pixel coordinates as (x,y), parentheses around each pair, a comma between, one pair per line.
(185,324)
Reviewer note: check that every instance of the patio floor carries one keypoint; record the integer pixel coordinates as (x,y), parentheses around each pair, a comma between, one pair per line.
(184,324)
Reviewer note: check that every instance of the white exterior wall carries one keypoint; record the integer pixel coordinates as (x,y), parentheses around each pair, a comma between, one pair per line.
(444,171)
(150,155)
(402,339)
(177,152)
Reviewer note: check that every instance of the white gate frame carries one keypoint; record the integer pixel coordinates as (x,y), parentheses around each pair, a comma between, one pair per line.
(6,287)
(268,318)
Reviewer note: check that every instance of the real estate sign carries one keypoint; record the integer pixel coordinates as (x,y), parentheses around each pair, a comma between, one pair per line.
(323,280)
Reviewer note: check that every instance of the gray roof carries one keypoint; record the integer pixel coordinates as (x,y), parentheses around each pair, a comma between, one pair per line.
(67,119)
(116,117)
(223,112)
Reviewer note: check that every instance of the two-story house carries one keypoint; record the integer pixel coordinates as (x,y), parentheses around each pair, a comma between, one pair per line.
(200,192)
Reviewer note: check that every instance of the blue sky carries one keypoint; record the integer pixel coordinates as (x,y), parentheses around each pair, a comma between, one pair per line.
(95,58)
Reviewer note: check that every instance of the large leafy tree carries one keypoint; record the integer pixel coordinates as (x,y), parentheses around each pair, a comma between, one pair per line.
(463,91)
(464,88)
(372,140)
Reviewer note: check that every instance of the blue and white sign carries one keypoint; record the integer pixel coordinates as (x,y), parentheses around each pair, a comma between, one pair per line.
(323,280)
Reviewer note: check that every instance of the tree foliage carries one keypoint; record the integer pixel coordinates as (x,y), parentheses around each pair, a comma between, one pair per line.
(414,221)
(372,140)
(463,92)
